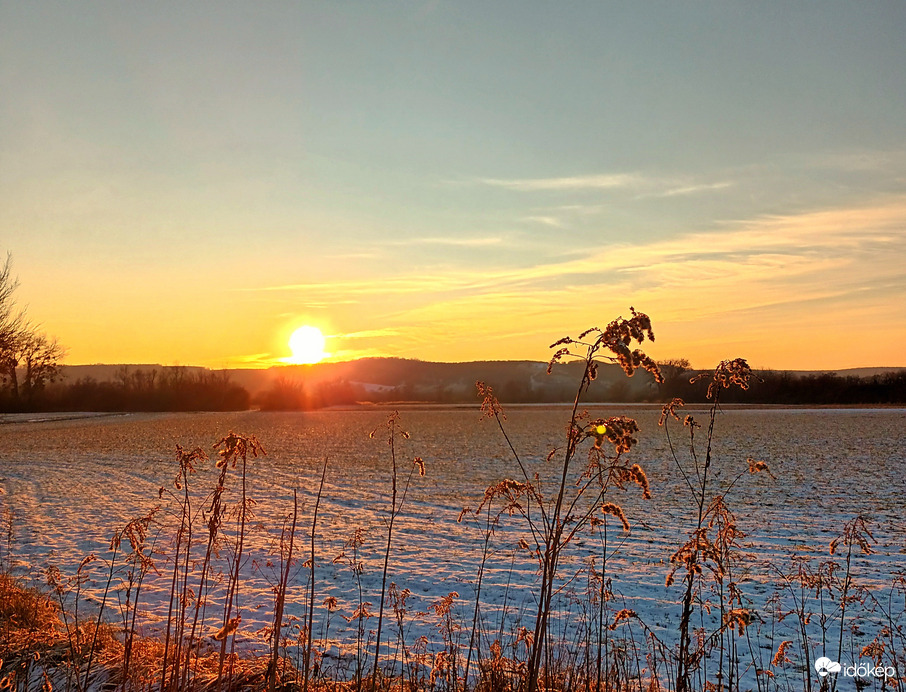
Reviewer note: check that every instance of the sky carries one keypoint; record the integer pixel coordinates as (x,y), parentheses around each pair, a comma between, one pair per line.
(187,183)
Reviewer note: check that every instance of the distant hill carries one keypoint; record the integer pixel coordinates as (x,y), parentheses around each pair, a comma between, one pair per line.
(853,372)
(396,380)
(400,379)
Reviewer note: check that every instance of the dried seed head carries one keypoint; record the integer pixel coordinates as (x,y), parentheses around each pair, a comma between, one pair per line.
(490,405)
(556,358)
(622,616)
(496,650)
(758,466)
(228,628)
(638,475)
(738,619)
(728,372)
(669,410)
(234,448)
(780,657)
(617,430)
(360,613)
(616,511)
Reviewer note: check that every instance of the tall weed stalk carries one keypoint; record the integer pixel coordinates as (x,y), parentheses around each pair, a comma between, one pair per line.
(397,500)
(554,522)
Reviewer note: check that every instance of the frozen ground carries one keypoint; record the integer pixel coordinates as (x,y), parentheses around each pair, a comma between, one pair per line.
(71,482)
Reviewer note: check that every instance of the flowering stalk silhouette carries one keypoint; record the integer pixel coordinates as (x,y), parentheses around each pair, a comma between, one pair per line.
(559,520)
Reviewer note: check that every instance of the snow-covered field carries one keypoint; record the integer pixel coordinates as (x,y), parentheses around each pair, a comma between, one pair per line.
(70,483)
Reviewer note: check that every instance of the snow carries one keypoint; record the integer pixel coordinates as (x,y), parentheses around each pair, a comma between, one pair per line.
(70,483)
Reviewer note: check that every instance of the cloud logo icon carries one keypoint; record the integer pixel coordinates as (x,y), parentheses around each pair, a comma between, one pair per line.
(824,666)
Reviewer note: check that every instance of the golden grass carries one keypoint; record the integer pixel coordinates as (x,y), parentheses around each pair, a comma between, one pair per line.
(36,645)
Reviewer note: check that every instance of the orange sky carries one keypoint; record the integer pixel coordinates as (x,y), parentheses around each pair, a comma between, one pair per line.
(806,292)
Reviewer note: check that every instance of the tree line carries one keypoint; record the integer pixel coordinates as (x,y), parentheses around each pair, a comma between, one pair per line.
(182,389)
(158,389)
(793,389)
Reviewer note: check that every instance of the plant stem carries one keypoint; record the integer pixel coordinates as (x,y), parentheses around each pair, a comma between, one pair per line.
(311,597)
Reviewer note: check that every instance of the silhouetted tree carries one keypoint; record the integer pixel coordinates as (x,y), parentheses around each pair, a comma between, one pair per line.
(166,389)
(28,358)
(39,359)
(286,394)
(676,372)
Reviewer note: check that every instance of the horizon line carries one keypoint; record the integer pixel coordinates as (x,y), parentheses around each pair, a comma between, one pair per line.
(759,368)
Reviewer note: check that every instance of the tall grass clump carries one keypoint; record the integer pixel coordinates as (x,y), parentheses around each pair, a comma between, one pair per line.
(560,504)
(394,431)
(709,557)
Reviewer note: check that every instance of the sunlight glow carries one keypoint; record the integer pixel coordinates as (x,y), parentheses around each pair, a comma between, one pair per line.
(307,345)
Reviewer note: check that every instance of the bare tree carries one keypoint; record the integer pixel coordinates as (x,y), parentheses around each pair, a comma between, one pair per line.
(674,367)
(28,358)
(39,359)
(676,373)
(10,318)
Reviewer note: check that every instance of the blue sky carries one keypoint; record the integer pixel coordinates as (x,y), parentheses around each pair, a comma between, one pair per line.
(452,181)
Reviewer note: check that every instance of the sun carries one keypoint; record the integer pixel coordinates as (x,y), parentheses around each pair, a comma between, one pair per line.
(307,345)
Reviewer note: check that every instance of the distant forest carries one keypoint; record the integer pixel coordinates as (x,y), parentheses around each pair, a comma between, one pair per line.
(159,389)
(773,387)
(392,380)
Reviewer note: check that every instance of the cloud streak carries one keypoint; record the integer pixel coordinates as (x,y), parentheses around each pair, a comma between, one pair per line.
(730,250)
(690,189)
(578,182)
(646,186)
(769,265)
(551,221)
(456,242)
(365,334)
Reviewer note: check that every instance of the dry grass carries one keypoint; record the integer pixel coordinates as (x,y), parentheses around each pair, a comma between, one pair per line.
(39,653)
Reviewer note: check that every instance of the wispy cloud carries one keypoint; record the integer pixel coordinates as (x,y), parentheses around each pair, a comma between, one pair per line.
(552,221)
(366,334)
(578,182)
(460,242)
(832,233)
(864,160)
(353,288)
(578,209)
(353,255)
(689,189)
(254,360)
(643,185)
